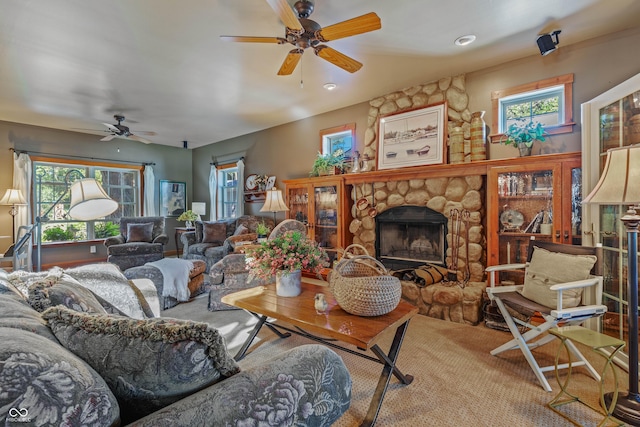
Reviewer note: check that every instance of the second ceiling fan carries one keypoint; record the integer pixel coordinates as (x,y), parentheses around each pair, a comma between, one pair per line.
(303,33)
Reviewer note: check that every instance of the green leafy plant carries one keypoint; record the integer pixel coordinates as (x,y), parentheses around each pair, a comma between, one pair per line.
(262,229)
(57,234)
(523,132)
(188,216)
(103,230)
(324,163)
(289,252)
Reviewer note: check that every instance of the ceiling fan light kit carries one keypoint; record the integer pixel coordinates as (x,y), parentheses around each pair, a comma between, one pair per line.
(304,33)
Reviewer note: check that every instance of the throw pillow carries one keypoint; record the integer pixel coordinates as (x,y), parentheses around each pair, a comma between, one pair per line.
(140,232)
(548,268)
(214,232)
(148,364)
(50,385)
(241,229)
(68,295)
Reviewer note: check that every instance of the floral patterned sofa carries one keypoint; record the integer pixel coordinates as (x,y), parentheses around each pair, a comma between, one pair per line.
(81,347)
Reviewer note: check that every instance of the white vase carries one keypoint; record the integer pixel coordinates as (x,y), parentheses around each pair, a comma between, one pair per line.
(288,283)
(188,224)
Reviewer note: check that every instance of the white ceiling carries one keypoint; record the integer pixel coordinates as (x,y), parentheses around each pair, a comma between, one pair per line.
(69,64)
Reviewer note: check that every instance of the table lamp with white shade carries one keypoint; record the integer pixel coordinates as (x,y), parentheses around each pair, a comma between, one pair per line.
(274,202)
(199,208)
(13,197)
(619,184)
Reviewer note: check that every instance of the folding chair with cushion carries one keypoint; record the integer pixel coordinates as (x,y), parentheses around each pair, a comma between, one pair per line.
(562,285)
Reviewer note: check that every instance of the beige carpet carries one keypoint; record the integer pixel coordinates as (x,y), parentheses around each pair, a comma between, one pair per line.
(457,382)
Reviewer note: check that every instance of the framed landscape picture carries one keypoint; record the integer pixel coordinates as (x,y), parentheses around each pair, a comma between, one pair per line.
(173,198)
(413,138)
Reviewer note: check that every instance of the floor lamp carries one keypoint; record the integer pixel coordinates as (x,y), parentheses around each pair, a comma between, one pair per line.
(274,203)
(13,198)
(88,201)
(620,184)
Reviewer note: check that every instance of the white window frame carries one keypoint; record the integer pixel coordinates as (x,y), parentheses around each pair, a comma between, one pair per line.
(223,187)
(501,98)
(88,170)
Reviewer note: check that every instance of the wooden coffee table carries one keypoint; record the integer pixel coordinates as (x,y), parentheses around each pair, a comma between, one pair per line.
(334,325)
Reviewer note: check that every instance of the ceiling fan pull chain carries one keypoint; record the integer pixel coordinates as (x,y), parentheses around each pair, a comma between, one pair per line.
(301,79)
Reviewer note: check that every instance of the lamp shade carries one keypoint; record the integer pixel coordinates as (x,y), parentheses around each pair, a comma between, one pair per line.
(274,202)
(90,201)
(199,208)
(13,197)
(619,180)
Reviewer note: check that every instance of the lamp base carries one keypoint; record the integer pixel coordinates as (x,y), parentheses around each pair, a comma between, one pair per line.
(627,407)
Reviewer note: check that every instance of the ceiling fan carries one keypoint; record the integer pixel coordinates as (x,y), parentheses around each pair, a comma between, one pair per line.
(121,131)
(302,33)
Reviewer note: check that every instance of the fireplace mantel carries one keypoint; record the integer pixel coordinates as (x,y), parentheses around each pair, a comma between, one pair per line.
(442,171)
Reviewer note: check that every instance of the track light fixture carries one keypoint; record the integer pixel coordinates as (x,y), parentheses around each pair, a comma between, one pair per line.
(547,42)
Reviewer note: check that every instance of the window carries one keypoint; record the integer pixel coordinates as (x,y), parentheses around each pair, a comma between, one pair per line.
(227,191)
(546,101)
(121,184)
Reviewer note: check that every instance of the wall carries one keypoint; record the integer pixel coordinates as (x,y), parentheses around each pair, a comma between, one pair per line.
(170,163)
(288,151)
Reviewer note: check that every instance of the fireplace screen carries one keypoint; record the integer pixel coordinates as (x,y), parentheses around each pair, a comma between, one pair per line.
(408,236)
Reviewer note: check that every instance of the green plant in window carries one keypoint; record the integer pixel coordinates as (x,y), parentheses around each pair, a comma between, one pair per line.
(524,132)
(57,234)
(103,230)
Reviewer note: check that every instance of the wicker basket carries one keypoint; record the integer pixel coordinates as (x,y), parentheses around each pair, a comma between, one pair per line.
(364,289)
(349,251)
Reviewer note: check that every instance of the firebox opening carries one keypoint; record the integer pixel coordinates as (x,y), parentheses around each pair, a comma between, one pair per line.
(409,236)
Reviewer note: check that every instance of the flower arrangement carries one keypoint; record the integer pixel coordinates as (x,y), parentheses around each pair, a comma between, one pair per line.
(188,216)
(524,133)
(289,252)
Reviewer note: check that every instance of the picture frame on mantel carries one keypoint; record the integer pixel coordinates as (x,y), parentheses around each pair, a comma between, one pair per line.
(413,138)
(173,198)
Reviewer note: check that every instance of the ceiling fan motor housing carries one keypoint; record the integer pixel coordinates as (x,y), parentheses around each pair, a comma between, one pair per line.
(304,8)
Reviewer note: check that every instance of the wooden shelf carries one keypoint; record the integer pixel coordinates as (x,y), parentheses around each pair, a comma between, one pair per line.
(255,196)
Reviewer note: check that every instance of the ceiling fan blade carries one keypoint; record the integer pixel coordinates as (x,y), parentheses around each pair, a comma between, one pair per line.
(351,27)
(139,139)
(108,138)
(290,62)
(144,132)
(111,127)
(339,59)
(250,39)
(286,14)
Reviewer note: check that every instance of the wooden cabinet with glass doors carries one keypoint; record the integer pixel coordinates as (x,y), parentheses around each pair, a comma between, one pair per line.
(324,206)
(536,197)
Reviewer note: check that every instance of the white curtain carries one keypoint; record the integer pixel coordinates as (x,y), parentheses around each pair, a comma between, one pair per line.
(22,180)
(22,176)
(213,192)
(239,188)
(149,191)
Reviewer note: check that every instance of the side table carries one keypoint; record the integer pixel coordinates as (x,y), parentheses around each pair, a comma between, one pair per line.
(597,342)
(179,232)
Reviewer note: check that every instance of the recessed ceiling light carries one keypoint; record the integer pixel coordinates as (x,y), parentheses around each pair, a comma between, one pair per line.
(330,86)
(465,40)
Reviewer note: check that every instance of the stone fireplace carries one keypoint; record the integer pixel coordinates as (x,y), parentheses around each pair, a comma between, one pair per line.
(409,236)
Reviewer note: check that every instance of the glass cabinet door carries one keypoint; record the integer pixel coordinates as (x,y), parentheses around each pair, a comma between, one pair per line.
(298,198)
(326,217)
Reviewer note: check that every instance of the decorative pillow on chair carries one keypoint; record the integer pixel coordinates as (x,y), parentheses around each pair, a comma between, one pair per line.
(241,229)
(148,364)
(140,232)
(68,295)
(550,268)
(214,232)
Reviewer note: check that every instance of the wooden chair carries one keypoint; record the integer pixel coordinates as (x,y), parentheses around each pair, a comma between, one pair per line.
(517,309)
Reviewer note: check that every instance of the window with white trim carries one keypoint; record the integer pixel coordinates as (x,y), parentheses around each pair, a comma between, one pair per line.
(121,184)
(227,192)
(547,101)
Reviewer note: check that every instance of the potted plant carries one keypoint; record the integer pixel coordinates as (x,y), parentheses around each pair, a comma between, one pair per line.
(522,134)
(326,164)
(262,230)
(188,216)
(285,257)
